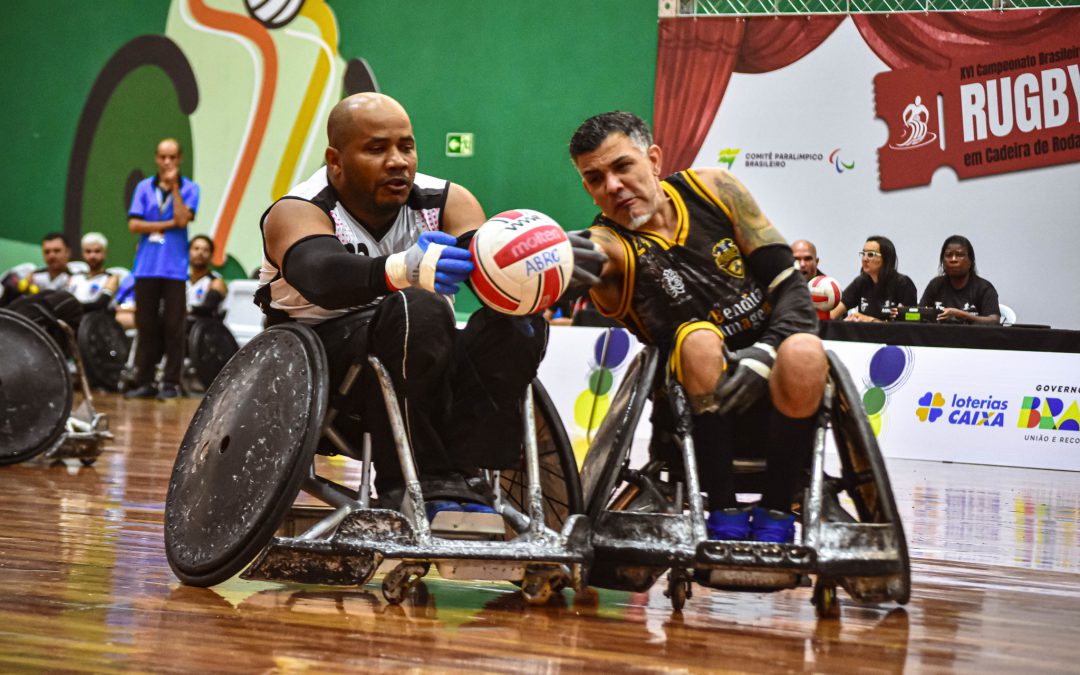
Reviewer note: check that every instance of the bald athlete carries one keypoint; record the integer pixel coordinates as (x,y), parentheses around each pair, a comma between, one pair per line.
(806,258)
(370,253)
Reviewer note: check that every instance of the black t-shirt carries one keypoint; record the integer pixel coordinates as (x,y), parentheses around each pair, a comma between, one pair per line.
(978,296)
(866,297)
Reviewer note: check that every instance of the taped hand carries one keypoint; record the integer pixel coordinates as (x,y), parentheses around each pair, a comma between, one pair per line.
(749,381)
(588,259)
(433,263)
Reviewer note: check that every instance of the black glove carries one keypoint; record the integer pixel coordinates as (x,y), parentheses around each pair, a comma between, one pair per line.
(588,259)
(749,380)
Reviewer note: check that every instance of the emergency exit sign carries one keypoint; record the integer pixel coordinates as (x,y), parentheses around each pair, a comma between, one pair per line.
(459,144)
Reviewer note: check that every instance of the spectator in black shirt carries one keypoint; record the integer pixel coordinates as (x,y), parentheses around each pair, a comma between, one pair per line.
(959,292)
(879,290)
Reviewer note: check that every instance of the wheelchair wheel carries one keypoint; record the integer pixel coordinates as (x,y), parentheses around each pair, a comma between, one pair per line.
(611,445)
(863,470)
(35,389)
(104,349)
(245,453)
(558,467)
(210,346)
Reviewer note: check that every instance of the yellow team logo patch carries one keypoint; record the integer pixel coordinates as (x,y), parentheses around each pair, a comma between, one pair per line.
(728,259)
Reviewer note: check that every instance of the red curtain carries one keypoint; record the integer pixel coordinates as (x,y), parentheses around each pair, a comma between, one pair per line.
(695,59)
(935,40)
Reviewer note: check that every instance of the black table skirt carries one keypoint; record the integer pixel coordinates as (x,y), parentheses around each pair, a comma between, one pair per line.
(1015,338)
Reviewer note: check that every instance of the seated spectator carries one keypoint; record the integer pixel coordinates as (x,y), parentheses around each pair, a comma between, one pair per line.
(96,287)
(959,292)
(880,290)
(53,277)
(56,253)
(205,287)
(806,259)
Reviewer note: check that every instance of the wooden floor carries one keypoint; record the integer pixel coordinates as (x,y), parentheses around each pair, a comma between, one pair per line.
(85,587)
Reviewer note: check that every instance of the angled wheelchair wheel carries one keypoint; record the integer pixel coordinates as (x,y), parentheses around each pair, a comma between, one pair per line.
(210,346)
(863,471)
(559,480)
(35,389)
(611,445)
(104,349)
(247,449)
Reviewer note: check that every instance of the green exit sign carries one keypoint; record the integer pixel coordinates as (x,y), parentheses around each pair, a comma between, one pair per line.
(459,144)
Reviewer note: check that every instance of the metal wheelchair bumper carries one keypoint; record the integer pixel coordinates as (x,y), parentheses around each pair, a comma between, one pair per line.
(366,538)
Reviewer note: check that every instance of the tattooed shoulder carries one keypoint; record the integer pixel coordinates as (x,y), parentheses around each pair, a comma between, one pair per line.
(752,228)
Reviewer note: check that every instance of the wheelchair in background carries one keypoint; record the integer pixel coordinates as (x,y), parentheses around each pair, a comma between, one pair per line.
(37,392)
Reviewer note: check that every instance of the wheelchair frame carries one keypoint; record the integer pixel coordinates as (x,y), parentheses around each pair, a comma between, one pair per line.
(868,558)
(349,543)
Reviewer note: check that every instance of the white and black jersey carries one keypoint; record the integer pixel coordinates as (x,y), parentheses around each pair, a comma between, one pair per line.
(43,281)
(422,212)
(197,290)
(87,287)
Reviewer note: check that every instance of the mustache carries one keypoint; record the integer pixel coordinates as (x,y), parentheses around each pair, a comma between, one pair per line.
(394,177)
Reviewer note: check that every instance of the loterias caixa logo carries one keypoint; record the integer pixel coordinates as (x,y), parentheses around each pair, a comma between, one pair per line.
(963,409)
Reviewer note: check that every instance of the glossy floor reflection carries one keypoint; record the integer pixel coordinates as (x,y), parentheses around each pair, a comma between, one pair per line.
(84,586)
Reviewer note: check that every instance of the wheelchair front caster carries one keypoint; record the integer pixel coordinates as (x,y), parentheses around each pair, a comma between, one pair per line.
(826,604)
(678,588)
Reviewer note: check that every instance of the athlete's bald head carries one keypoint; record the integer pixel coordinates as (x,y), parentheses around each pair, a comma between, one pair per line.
(371,156)
(357,113)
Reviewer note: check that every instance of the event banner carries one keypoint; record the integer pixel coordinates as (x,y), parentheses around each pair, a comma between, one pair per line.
(975,406)
(978,406)
(1012,109)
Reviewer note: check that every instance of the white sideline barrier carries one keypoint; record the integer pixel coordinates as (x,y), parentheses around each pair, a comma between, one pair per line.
(976,406)
(242,315)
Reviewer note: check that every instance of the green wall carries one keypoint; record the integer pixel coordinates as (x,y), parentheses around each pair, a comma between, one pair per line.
(520,76)
(52,51)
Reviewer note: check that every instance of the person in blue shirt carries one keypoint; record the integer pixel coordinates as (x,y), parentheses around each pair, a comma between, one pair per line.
(161,209)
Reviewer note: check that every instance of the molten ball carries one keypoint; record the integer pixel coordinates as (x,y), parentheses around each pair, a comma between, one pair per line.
(523,262)
(825,292)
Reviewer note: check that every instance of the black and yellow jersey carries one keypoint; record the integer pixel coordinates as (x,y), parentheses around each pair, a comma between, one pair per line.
(699,275)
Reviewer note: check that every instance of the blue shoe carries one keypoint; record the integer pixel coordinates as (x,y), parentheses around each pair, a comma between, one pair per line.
(437,506)
(473,507)
(729,524)
(776,527)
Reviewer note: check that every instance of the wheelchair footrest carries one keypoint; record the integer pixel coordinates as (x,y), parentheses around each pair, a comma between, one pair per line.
(756,555)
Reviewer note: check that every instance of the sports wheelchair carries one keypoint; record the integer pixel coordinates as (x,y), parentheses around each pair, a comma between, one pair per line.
(210,345)
(250,449)
(644,522)
(37,393)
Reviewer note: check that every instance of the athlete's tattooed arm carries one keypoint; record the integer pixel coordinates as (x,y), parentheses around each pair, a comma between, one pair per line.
(609,291)
(752,229)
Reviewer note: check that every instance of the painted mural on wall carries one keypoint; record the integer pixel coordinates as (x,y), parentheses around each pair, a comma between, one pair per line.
(253,81)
